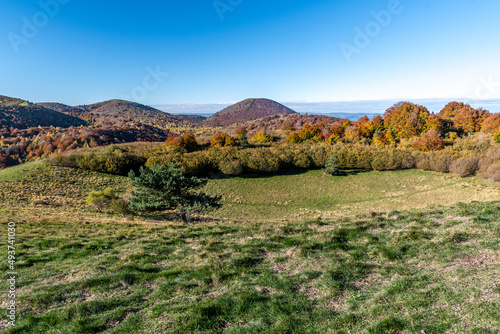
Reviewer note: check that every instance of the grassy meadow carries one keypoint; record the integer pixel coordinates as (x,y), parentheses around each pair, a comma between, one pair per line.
(40,192)
(375,252)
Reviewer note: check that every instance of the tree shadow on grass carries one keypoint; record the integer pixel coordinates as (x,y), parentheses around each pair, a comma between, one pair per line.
(172,217)
(349,172)
(286,172)
(291,172)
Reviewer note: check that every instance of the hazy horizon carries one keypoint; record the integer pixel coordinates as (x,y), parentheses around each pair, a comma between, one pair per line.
(362,107)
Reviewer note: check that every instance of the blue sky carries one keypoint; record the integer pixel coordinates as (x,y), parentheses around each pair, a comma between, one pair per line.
(287,50)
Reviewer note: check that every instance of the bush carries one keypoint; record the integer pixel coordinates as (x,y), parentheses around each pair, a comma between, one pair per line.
(187,141)
(293,138)
(107,200)
(440,162)
(111,160)
(231,167)
(429,141)
(465,166)
(497,137)
(320,154)
(243,140)
(354,156)
(332,165)
(493,172)
(275,158)
(262,161)
(220,139)
(387,159)
(308,132)
(119,205)
(261,138)
(302,161)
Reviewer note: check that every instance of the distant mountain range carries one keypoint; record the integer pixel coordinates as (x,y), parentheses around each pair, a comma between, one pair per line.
(18,113)
(22,114)
(121,110)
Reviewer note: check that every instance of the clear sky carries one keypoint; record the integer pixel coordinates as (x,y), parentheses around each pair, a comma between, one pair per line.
(80,52)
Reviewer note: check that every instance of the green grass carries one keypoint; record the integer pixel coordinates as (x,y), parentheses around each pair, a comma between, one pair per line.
(313,194)
(38,192)
(265,263)
(432,271)
(17,172)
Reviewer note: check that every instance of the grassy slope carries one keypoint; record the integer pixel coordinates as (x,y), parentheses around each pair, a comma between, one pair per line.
(307,195)
(433,270)
(313,194)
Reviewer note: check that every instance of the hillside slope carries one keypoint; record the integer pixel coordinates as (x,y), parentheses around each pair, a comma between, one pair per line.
(130,110)
(22,114)
(247,110)
(62,107)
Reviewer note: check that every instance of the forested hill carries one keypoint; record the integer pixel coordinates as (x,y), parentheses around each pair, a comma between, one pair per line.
(22,114)
(63,107)
(121,109)
(247,110)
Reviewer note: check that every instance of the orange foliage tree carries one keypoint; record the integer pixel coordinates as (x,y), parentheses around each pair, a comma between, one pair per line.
(221,139)
(262,137)
(491,124)
(450,110)
(434,122)
(429,141)
(308,132)
(469,119)
(187,141)
(405,120)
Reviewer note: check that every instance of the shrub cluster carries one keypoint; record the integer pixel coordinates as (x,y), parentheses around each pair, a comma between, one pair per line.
(467,157)
(111,160)
(107,200)
(477,155)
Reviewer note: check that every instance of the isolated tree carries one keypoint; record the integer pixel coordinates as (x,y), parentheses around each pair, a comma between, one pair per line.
(332,165)
(162,188)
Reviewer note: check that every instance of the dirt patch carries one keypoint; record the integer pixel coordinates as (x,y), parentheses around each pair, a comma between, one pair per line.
(373,278)
(476,261)
(452,218)
(4,324)
(163,263)
(265,290)
(310,292)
